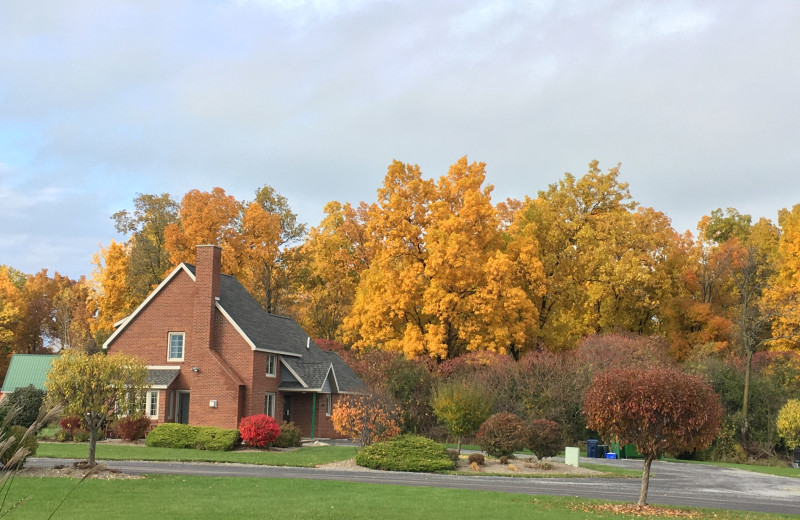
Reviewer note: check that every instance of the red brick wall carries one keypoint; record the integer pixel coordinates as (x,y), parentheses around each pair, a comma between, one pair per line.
(172,310)
(301,416)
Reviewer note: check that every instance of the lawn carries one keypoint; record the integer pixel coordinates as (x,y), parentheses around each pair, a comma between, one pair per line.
(198,498)
(302,457)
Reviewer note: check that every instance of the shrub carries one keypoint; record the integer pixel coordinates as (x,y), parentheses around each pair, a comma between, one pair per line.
(545,438)
(21,440)
(290,436)
(131,429)
(501,434)
(503,460)
(70,424)
(215,439)
(173,435)
(81,435)
(63,436)
(259,430)
(406,453)
(477,458)
(789,423)
(25,402)
(453,454)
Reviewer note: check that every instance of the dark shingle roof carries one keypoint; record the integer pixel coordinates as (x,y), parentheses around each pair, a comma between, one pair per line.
(283,335)
(161,377)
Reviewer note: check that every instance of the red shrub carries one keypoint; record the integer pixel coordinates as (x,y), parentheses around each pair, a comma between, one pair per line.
(502,434)
(130,429)
(259,430)
(70,424)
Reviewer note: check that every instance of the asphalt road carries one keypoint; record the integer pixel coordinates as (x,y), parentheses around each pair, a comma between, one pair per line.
(671,483)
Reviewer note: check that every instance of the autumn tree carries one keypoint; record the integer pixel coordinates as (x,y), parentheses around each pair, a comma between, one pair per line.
(438,283)
(462,405)
(784,292)
(96,386)
(113,298)
(605,264)
(658,410)
(366,418)
(328,270)
(145,229)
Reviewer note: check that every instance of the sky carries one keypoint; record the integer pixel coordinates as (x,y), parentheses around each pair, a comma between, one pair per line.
(100,101)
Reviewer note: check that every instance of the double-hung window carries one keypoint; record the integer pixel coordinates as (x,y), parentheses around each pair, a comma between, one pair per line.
(151,407)
(269,404)
(175,348)
(272,362)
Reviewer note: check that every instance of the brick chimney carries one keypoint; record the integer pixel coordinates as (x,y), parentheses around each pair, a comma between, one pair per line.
(206,292)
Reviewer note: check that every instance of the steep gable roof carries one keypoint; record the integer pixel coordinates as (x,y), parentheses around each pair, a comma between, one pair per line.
(121,324)
(271,333)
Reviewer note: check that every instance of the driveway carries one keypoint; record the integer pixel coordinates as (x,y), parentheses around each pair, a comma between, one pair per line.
(671,483)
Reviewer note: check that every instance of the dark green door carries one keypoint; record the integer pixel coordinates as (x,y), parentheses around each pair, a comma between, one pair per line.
(183,407)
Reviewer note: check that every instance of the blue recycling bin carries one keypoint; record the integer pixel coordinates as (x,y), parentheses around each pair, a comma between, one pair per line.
(591,448)
(611,455)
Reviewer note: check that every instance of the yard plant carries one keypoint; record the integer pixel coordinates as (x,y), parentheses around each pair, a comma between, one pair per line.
(406,453)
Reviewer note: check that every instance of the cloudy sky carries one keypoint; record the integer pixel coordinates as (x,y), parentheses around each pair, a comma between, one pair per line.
(99,101)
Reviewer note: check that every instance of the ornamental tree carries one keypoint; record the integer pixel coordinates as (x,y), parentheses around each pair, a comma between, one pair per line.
(367,418)
(462,405)
(789,422)
(95,387)
(657,409)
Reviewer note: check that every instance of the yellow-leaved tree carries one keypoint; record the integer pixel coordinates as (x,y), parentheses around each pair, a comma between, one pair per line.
(328,269)
(94,387)
(439,282)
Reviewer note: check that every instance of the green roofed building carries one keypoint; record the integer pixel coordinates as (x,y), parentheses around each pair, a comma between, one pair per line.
(27,369)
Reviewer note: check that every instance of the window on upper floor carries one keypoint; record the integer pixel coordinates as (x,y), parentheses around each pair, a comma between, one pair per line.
(272,363)
(175,347)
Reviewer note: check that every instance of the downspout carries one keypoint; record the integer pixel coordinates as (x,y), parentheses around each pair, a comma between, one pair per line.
(313,412)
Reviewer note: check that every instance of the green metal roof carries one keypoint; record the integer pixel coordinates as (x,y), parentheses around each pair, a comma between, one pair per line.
(27,369)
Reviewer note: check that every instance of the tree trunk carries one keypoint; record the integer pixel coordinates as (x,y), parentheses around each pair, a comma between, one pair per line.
(93,426)
(459,445)
(645,480)
(746,398)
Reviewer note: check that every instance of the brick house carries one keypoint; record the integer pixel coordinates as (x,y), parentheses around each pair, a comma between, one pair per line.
(215,356)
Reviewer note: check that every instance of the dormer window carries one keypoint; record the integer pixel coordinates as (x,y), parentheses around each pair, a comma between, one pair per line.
(175,348)
(272,363)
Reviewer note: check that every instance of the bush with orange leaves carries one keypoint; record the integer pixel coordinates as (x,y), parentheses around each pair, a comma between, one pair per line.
(367,418)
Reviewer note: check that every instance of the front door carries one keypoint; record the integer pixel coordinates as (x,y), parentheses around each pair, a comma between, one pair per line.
(183,408)
(287,408)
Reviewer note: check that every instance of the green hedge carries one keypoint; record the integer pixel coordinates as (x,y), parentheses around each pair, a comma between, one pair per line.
(406,453)
(173,435)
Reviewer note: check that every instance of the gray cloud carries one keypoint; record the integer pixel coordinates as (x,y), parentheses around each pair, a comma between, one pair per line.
(102,101)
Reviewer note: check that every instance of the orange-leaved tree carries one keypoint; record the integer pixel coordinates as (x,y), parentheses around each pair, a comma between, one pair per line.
(367,418)
(657,409)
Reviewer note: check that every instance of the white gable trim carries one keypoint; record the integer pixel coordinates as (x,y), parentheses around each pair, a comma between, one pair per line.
(247,339)
(295,374)
(126,321)
(331,371)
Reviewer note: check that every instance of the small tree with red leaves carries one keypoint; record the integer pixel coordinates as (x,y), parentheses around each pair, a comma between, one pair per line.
(259,430)
(657,409)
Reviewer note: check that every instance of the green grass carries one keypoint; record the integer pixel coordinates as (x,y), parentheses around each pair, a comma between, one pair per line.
(48,432)
(613,470)
(302,457)
(199,498)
